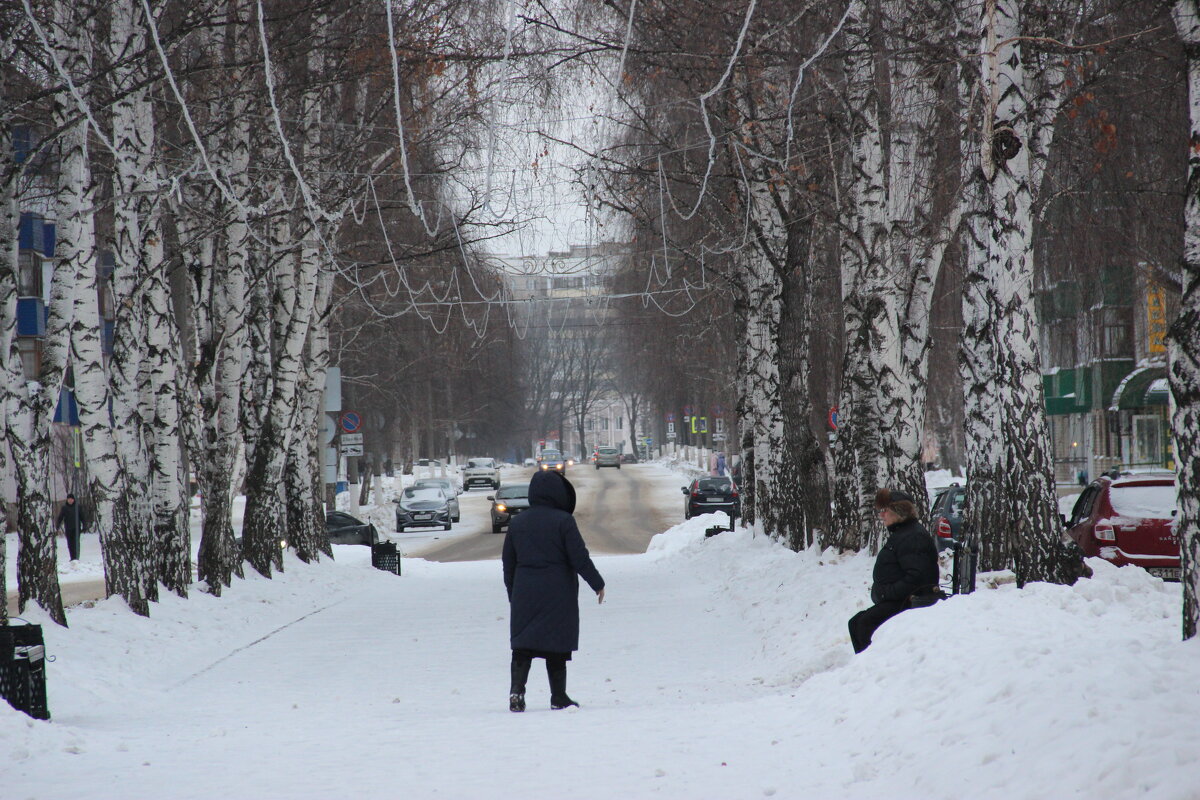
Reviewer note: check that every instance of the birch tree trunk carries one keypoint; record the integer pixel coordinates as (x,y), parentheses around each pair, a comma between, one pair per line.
(1184,370)
(144,321)
(265,522)
(226,360)
(1011,508)
(745,414)
(870,323)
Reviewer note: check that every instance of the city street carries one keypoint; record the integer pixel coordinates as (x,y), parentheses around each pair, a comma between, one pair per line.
(618,512)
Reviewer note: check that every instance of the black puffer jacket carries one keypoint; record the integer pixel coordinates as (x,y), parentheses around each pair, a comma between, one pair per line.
(543,555)
(907,563)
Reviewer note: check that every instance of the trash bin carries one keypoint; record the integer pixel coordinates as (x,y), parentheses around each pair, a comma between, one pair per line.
(384,556)
(23,669)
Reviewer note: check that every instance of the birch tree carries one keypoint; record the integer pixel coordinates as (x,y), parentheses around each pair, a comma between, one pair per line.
(896,224)
(1184,353)
(1011,507)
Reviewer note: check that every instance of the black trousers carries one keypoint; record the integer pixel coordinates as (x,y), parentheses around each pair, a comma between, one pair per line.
(73,543)
(864,624)
(556,664)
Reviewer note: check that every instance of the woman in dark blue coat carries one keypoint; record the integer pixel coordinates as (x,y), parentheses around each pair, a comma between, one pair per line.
(543,557)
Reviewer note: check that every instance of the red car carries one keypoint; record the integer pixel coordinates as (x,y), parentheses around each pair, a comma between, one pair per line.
(1129,520)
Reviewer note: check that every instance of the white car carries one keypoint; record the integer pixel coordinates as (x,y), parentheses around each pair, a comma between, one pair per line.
(481,472)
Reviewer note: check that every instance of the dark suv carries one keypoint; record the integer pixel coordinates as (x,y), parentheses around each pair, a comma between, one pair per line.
(709,494)
(946,515)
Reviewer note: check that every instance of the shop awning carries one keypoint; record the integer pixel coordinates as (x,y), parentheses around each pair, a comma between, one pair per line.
(1144,386)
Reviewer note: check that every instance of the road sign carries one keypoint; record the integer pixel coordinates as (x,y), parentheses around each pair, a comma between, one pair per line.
(329,428)
(671,429)
(670,436)
(648,441)
(671,417)
(352,449)
(351,438)
(718,437)
(350,422)
(833,418)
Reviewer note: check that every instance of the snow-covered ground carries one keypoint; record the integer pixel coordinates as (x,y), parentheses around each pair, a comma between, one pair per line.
(716,668)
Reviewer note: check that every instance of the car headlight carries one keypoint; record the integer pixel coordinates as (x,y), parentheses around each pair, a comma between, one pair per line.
(501,507)
(544,466)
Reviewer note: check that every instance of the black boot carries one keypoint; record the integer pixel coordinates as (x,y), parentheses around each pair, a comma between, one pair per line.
(520,674)
(558,686)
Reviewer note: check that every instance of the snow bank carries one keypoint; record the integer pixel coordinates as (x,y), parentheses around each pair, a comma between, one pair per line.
(717,668)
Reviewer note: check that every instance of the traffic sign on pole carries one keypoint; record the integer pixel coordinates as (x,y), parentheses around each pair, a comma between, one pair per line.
(350,422)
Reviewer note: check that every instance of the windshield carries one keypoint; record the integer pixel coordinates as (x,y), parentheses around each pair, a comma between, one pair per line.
(509,492)
(607,451)
(423,494)
(435,483)
(481,463)
(1143,502)
(551,455)
(714,484)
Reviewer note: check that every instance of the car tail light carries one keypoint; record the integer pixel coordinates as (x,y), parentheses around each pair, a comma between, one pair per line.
(733,493)
(1104,531)
(943,528)
(696,493)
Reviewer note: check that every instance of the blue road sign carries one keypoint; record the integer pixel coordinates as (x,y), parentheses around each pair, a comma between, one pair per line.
(351,422)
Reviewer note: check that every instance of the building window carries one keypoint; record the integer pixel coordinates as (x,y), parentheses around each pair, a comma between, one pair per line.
(1114,328)
(1147,440)
(31,356)
(31,274)
(620,423)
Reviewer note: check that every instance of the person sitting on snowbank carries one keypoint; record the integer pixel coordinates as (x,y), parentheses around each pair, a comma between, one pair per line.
(906,570)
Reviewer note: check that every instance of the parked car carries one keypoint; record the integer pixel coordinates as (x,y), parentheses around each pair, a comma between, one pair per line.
(1129,520)
(552,459)
(341,528)
(481,472)
(531,462)
(628,458)
(507,503)
(708,494)
(449,488)
(422,507)
(946,515)
(607,457)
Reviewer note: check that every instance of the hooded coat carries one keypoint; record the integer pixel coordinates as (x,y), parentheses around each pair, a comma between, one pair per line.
(544,555)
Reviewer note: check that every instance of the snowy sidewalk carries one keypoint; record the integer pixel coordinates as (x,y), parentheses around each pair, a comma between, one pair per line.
(715,669)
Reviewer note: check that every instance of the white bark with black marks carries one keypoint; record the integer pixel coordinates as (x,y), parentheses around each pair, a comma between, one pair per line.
(1184,355)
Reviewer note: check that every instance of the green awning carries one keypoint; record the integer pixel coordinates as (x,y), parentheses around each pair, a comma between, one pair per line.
(1145,386)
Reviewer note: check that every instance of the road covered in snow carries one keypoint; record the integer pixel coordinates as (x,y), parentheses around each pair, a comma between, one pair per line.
(716,668)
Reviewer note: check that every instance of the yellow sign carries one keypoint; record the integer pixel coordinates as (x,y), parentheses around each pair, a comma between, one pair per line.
(1156,320)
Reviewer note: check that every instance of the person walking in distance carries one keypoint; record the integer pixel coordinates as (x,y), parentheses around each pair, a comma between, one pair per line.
(544,557)
(906,570)
(71,521)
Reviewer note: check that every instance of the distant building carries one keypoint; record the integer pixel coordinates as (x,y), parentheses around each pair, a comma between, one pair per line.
(566,293)
(1105,379)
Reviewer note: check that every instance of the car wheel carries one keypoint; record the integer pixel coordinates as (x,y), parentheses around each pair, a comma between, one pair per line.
(495,486)
(446,527)
(496,528)
(456,519)
(466,488)
(399,529)
(687,512)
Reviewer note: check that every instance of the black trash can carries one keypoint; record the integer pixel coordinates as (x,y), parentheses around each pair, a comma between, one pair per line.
(385,557)
(23,669)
